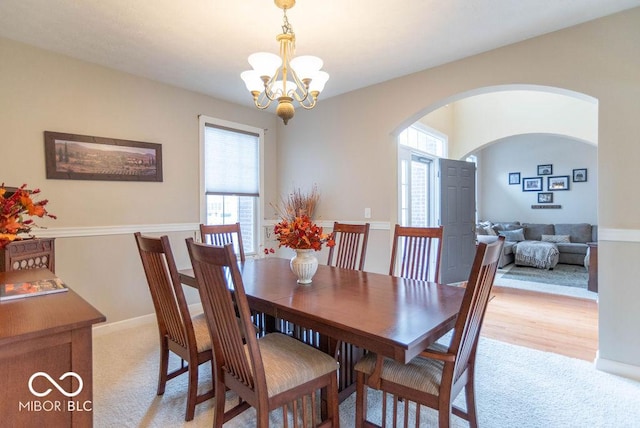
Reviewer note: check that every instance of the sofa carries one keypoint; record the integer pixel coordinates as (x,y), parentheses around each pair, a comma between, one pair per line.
(570,238)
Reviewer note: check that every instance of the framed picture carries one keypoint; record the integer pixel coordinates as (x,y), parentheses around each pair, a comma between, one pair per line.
(560,182)
(532,184)
(545,169)
(514,178)
(545,198)
(82,157)
(579,175)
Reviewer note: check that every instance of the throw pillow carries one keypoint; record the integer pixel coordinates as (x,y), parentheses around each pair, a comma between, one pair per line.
(512,235)
(490,231)
(557,239)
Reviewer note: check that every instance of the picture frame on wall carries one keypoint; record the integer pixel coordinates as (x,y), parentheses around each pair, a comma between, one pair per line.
(560,182)
(580,175)
(532,184)
(514,178)
(545,169)
(83,157)
(545,198)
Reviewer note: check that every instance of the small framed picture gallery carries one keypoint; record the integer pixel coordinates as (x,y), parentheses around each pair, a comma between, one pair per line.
(545,198)
(560,182)
(514,178)
(545,169)
(532,184)
(579,175)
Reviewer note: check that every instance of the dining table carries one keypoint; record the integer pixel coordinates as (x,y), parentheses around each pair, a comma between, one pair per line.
(392,316)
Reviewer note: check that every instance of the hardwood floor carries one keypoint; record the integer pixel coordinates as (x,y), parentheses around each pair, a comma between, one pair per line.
(548,322)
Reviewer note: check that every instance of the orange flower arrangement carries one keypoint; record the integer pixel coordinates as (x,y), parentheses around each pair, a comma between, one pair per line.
(302,234)
(14,209)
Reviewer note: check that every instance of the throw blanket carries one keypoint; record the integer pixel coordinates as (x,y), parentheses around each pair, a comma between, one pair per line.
(543,255)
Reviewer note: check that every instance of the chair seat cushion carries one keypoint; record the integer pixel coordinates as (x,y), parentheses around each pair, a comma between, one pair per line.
(421,373)
(203,340)
(289,363)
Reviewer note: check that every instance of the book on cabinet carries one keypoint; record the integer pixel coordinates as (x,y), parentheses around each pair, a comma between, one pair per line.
(40,287)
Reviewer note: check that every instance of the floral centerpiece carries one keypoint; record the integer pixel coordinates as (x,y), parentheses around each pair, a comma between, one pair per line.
(302,234)
(15,208)
(297,231)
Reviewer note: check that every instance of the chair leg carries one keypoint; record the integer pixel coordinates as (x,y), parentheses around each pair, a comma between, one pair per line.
(262,416)
(470,397)
(332,401)
(361,400)
(444,416)
(164,366)
(218,415)
(192,392)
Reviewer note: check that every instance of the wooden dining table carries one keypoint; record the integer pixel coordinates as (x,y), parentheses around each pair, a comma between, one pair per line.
(392,316)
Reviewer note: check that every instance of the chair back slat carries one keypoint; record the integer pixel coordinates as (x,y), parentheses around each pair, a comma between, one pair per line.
(474,304)
(351,245)
(168,298)
(222,234)
(216,271)
(420,248)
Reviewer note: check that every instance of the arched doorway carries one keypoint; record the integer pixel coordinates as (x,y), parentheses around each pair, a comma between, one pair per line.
(515,129)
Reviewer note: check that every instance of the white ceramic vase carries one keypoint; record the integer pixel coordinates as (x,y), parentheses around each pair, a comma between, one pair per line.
(304,265)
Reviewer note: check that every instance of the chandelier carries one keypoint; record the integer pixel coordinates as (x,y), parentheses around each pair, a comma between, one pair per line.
(284,78)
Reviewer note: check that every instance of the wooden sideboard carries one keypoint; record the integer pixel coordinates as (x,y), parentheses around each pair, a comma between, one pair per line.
(28,254)
(49,334)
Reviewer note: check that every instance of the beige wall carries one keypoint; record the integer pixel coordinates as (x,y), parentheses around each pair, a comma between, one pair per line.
(485,118)
(600,59)
(45,91)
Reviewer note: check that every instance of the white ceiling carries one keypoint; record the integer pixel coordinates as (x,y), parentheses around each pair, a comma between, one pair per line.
(202,45)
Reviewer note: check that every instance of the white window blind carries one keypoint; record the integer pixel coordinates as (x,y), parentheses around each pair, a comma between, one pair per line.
(233,157)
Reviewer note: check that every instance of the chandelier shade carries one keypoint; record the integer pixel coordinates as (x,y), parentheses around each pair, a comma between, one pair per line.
(285,78)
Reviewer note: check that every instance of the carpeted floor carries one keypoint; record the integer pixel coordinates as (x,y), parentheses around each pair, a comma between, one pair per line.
(515,387)
(567,280)
(562,274)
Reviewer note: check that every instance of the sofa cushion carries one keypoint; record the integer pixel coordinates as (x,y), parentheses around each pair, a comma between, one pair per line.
(573,248)
(512,235)
(556,239)
(578,232)
(534,231)
(509,247)
(486,239)
(502,225)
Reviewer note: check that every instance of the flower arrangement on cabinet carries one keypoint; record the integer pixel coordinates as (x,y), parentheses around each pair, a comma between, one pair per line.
(302,234)
(15,210)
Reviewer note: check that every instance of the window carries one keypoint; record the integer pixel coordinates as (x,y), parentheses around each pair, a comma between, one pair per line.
(231,181)
(418,148)
(424,139)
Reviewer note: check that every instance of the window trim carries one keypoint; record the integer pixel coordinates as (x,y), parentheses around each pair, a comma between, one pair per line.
(203,120)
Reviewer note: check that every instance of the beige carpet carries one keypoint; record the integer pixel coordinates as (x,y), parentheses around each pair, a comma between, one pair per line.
(516,387)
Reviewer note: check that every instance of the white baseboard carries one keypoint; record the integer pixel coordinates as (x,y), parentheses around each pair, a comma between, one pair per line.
(617,368)
(102,329)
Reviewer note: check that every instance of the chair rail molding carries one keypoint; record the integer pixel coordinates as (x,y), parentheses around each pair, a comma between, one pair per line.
(619,235)
(72,232)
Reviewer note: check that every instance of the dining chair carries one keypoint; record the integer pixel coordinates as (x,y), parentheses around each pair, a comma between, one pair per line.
(349,252)
(416,250)
(436,377)
(269,372)
(221,234)
(179,333)
(351,245)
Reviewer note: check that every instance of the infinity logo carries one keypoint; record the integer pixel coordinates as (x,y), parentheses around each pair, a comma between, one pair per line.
(54,383)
